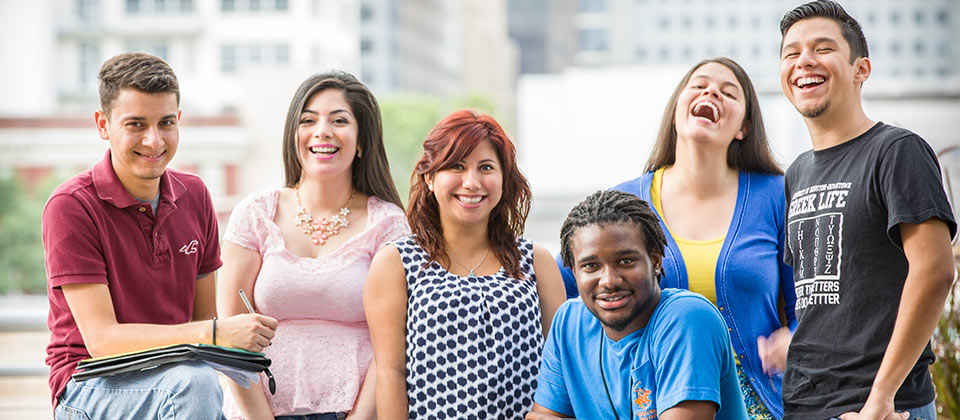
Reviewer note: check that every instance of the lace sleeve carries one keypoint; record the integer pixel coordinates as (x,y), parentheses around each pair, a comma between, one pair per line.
(246,227)
(395,223)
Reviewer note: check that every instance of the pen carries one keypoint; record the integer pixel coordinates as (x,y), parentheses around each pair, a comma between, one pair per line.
(246,301)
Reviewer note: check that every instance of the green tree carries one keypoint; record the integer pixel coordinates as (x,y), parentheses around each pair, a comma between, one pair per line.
(21,248)
(407,119)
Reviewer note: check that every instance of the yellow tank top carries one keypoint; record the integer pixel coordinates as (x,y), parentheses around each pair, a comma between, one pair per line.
(700,257)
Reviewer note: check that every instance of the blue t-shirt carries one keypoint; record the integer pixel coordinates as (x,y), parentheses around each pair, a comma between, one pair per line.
(683,353)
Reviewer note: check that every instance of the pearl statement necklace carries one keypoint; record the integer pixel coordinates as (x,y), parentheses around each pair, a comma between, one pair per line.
(320,230)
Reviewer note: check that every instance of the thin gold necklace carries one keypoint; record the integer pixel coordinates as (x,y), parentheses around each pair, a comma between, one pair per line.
(471,274)
(320,230)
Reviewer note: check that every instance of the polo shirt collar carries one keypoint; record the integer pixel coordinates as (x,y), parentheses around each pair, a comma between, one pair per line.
(109,188)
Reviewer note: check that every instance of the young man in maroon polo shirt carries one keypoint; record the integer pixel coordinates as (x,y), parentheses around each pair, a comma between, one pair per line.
(130,248)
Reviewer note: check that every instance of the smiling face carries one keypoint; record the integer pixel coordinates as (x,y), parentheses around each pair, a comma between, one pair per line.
(143,130)
(327,135)
(469,190)
(816,74)
(615,275)
(711,106)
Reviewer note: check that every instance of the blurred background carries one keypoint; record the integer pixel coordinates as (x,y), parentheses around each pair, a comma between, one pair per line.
(579,85)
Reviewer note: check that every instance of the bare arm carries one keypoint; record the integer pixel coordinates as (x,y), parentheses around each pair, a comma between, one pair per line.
(540,412)
(385,304)
(690,410)
(92,308)
(240,270)
(549,285)
(365,406)
(931,273)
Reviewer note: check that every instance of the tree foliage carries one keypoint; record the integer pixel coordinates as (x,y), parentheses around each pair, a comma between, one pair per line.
(21,248)
(407,119)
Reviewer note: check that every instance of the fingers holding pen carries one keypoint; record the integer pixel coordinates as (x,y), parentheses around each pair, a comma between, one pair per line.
(251,332)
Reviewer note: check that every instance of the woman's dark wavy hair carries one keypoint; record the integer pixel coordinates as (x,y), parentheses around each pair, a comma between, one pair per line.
(371,171)
(751,154)
(612,206)
(450,141)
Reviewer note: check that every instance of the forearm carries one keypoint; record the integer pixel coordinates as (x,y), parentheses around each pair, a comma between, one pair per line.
(252,401)
(123,338)
(365,407)
(391,394)
(920,308)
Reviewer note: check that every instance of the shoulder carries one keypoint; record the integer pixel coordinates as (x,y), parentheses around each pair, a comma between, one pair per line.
(634,186)
(572,316)
(258,201)
(686,307)
(901,141)
(192,184)
(765,182)
(76,192)
(382,209)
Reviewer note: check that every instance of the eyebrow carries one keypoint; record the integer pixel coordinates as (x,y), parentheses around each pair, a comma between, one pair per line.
(725,83)
(139,118)
(818,40)
(336,111)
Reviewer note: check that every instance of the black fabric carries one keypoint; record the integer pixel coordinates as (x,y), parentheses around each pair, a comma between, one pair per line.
(846,204)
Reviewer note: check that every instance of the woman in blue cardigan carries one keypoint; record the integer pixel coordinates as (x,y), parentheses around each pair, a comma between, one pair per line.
(719,194)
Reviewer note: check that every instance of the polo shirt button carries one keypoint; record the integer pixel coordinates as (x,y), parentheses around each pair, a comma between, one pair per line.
(143,209)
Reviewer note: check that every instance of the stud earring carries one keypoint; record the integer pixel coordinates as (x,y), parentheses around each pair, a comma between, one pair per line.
(359,153)
(430,187)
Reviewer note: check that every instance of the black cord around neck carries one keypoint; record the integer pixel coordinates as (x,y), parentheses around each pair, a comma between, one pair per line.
(604,378)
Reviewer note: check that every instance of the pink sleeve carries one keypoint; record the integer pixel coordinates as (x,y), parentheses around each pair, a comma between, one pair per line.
(395,223)
(246,225)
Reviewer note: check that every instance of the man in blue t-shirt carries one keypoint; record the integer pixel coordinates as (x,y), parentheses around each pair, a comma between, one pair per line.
(625,349)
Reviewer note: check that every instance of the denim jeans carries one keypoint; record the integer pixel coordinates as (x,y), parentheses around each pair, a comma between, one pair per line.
(175,391)
(324,416)
(927,412)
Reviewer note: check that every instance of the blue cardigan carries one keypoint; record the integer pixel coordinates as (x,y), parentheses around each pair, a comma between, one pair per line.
(750,274)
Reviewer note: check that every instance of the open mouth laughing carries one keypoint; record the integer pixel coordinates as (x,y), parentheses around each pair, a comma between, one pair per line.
(706,110)
(323,151)
(470,200)
(809,82)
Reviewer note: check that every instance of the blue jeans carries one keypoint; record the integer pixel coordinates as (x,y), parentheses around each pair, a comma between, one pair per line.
(927,412)
(324,416)
(175,391)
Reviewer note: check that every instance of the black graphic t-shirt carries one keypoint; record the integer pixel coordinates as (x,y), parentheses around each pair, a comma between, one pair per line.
(846,204)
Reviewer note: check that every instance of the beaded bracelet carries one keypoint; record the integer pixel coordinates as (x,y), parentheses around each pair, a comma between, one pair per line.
(214,330)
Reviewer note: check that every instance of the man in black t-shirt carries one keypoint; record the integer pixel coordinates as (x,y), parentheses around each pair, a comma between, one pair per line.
(869,229)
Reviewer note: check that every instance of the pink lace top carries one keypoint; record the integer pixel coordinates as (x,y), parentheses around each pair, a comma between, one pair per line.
(322,348)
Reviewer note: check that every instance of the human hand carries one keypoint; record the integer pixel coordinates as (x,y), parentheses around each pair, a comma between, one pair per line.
(773,350)
(251,332)
(876,411)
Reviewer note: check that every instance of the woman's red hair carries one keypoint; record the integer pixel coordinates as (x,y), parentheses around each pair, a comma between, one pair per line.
(450,141)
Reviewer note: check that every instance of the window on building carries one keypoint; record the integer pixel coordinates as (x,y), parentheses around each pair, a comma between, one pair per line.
(366,45)
(591,6)
(943,48)
(919,17)
(87,10)
(592,40)
(943,17)
(709,22)
(895,18)
(253,5)
(687,22)
(132,7)
(228,58)
(641,54)
(895,48)
(919,47)
(281,5)
(281,53)
(227,5)
(157,48)
(186,6)
(943,72)
(664,23)
(89,64)
(733,21)
(687,52)
(366,13)
(871,17)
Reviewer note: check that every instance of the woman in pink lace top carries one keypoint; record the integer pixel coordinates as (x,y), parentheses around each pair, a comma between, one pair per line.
(303,251)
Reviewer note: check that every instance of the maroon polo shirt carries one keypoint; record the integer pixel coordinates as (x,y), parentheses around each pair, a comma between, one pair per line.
(94,231)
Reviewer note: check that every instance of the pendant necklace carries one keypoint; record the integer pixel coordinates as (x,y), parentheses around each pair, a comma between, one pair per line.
(471,274)
(320,230)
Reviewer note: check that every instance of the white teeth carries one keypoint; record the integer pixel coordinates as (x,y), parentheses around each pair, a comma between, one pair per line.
(803,81)
(470,200)
(612,299)
(715,112)
(324,149)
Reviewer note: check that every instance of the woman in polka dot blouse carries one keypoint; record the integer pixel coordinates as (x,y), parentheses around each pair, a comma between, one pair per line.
(458,310)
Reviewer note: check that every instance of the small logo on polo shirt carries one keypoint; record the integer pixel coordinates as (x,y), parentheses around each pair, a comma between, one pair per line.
(190,248)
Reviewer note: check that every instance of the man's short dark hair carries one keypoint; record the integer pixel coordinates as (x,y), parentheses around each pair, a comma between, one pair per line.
(832,10)
(142,72)
(611,206)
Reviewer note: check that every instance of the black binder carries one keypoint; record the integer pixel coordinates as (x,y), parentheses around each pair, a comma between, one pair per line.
(151,358)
